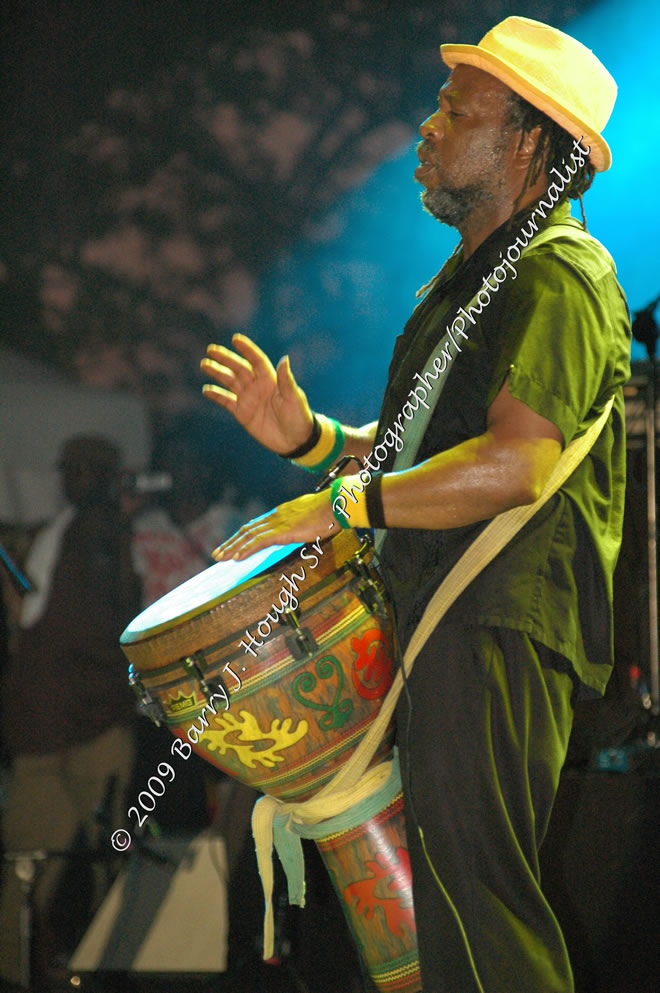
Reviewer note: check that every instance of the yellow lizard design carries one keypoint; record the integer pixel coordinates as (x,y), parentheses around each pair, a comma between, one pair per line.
(249,732)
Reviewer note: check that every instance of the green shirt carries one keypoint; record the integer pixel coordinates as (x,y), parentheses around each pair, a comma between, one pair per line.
(559,329)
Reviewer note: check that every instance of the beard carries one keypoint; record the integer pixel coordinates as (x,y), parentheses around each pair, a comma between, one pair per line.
(453,205)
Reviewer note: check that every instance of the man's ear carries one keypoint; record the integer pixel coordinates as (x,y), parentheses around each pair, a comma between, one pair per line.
(527,147)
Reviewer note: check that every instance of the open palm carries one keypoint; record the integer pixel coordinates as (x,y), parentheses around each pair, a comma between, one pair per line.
(266,401)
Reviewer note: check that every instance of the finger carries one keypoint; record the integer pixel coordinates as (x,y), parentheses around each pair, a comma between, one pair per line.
(257,358)
(226,377)
(242,545)
(285,379)
(251,529)
(242,550)
(218,371)
(218,395)
(226,549)
(225,357)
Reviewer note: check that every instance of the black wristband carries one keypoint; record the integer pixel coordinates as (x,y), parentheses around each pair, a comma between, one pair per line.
(374,498)
(306,446)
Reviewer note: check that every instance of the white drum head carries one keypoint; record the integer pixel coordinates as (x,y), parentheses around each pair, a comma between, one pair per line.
(205,590)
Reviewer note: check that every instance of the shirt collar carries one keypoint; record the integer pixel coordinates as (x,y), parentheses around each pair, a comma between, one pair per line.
(456,266)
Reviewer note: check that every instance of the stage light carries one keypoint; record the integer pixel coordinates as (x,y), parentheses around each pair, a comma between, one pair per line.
(623,207)
(338,300)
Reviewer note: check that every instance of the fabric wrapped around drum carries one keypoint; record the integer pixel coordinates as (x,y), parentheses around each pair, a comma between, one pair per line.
(273,668)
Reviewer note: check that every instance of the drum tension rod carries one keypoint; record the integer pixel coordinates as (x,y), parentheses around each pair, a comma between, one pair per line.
(153,709)
(367,587)
(209,687)
(302,642)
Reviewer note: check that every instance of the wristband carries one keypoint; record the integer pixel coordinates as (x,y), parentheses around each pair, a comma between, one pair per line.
(348,501)
(306,446)
(325,451)
(374,501)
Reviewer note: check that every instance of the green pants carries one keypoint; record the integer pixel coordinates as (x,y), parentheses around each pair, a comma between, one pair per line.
(483,733)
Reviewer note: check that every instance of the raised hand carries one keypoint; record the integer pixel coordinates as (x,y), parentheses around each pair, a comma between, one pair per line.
(266,401)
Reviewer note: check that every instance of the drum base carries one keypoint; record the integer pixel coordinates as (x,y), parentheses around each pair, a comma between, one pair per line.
(365,851)
(370,870)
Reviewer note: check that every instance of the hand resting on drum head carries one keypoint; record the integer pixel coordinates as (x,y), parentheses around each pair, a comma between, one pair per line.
(306,518)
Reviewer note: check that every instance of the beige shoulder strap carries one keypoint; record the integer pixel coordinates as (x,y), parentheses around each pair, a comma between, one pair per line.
(483,550)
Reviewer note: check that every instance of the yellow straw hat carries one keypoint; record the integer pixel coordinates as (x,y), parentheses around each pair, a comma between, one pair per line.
(553,71)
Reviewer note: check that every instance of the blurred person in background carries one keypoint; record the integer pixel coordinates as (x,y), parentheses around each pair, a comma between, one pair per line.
(201,507)
(66,707)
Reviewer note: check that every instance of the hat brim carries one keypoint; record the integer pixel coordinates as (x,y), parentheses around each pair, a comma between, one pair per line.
(599,154)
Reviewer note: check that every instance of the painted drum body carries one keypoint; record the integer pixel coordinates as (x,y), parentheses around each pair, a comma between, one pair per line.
(370,869)
(365,850)
(272,668)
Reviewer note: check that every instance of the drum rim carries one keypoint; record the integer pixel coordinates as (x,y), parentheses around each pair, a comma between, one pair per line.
(131,637)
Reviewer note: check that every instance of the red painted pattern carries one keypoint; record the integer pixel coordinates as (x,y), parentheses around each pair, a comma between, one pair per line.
(372,669)
(396,913)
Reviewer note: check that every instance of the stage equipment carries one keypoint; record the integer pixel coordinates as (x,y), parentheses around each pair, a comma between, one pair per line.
(25,866)
(165,913)
(645,330)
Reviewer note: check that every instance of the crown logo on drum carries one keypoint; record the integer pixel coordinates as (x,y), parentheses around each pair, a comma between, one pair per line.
(180,704)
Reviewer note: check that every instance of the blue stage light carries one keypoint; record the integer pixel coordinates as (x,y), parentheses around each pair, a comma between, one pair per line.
(337,302)
(623,207)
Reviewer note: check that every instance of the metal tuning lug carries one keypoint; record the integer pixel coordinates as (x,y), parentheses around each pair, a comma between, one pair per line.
(209,686)
(147,705)
(367,585)
(300,642)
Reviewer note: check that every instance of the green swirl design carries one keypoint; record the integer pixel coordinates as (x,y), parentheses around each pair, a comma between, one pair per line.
(336,713)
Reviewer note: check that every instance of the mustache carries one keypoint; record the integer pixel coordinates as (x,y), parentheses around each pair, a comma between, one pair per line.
(424,149)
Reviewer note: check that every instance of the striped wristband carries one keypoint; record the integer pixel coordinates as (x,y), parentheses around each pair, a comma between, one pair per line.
(325,449)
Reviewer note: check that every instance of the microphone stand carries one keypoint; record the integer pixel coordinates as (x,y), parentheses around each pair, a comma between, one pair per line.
(645,330)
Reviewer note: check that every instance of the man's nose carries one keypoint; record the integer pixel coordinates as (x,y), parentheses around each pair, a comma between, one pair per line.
(433,125)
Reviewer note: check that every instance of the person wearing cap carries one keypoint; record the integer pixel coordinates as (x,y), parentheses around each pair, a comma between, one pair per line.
(66,707)
(534,340)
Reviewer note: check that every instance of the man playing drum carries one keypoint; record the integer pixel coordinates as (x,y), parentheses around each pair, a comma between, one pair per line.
(534,340)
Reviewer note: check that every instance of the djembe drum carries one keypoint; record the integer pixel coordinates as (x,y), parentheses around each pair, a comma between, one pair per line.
(273,669)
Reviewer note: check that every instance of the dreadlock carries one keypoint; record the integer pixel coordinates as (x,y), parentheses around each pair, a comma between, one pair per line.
(553,148)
